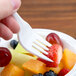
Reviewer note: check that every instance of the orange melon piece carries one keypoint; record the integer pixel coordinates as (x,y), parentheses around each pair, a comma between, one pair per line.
(56,70)
(12,70)
(29,54)
(35,66)
(28,73)
(69,59)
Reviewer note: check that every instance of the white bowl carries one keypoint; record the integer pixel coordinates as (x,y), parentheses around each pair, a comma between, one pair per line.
(44,32)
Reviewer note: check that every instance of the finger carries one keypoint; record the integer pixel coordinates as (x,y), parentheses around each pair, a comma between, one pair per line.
(8,7)
(12,24)
(5,32)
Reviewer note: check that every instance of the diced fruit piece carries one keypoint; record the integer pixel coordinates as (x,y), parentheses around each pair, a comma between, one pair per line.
(72,72)
(57,69)
(20,49)
(53,38)
(69,58)
(35,66)
(63,72)
(38,74)
(30,54)
(12,70)
(50,73)
(35,57)
(19,59)
(28,73)
(55,54)
(1,68)
(5,56)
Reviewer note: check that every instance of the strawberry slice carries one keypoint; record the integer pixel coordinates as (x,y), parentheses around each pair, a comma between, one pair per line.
(63,72)
(55,54)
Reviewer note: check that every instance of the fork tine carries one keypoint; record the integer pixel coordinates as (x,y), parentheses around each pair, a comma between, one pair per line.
(40,44)
(39,48)
(42,40)
(37,53)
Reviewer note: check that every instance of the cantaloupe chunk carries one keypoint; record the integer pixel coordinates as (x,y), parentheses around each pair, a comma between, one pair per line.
(35,66)
(69,58)
(28,73)
(57,69)
(29,54)
(12,70)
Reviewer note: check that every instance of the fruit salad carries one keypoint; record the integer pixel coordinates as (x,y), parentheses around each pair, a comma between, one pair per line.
(19,62)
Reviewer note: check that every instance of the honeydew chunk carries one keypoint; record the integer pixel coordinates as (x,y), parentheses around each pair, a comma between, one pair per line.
(20,49)
(19,59)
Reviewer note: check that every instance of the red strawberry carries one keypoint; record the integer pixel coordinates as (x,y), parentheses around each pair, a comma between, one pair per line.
(55,54)
(63,72)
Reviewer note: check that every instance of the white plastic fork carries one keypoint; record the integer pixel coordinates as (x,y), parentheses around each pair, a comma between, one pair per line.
(31,41)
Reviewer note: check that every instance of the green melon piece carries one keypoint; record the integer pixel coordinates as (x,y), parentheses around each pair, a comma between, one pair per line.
(19,59)
(20,49)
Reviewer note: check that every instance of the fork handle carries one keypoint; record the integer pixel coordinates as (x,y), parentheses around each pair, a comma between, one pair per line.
(21,22)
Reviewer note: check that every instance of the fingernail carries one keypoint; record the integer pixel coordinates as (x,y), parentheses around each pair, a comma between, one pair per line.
(16,3)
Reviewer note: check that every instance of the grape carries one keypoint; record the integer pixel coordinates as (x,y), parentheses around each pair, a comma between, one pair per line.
(54,39)
(5,56)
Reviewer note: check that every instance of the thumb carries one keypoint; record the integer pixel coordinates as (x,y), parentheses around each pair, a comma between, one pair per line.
(8,7)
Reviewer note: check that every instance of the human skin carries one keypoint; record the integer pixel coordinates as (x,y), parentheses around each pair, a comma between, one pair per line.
(8,24)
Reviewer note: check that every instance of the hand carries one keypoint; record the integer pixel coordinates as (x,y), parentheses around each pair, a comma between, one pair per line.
(8,24)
